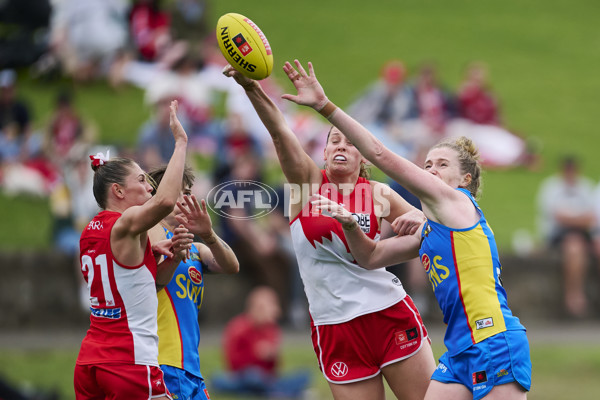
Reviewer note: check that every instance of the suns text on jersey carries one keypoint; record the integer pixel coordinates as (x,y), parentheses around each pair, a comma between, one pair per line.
(436,271)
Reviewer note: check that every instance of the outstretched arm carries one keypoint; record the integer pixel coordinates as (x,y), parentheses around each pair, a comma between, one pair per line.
(138,219)
(297,166)
(310,93)
(368,253)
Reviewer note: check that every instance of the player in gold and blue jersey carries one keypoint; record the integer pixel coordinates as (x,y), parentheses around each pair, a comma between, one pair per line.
(488,351)
(180,300)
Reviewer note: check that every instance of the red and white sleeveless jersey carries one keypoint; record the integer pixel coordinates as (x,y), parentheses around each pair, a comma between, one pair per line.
(336,287)
(123,300)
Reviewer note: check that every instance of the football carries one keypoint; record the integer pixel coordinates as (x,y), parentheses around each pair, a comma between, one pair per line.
(244,46)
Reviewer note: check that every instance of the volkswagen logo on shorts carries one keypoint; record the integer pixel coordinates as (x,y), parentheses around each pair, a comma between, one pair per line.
(242,199)
(339,369)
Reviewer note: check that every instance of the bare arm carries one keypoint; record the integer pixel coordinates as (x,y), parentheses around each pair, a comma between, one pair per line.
(368,253)
(181,243)
(218,256)
(215,253)
(297,166)
(139,219)
(432,191)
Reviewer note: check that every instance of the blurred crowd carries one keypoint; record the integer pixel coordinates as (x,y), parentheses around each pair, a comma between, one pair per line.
(168,50)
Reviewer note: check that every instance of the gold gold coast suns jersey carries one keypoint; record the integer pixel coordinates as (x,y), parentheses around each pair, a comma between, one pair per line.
(465,272)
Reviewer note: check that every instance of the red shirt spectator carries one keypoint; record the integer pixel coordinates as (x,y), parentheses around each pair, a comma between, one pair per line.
(149,27)
(476,102)
(253,339)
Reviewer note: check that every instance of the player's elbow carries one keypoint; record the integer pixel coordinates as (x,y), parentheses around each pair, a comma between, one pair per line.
(367,263)
(234,267)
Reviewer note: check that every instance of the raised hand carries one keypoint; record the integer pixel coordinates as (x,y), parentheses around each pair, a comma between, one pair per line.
(333,210)
(162,248)
(181,243)
(194,216)
(231,72)
(408,223)
(178,131)
(310,91)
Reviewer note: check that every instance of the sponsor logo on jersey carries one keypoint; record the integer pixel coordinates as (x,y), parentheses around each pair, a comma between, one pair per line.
(436,271)
(364,221)
(406,338)
(479,377)
(240,42)
(442,367)
(396,282)
(111,313)
(427,229)
(501,373)
(195,275)
(484,323)
(426,262)
(95,225)
(339,369)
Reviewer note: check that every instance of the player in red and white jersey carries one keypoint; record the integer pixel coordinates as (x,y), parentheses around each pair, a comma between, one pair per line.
(118,356)
(364,326)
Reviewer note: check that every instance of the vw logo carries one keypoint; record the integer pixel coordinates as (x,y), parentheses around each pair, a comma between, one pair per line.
(339,369)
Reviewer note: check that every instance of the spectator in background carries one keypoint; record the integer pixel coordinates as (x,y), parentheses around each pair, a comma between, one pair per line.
(436,105)
(23,169)
(155,141)
(476,102)
(479,120)
(235,142)
(566,206)
(149,28)
(87,35)
(66,133)
(387,105)
(252,347)
(190,19)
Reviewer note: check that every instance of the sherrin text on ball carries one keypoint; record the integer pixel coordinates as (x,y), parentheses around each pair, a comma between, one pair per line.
(244,46)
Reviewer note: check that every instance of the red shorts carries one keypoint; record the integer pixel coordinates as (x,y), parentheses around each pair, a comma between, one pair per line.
(358,349)
(119,381)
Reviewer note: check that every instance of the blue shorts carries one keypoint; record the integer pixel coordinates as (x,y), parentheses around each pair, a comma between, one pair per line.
(183,385)
(500,359)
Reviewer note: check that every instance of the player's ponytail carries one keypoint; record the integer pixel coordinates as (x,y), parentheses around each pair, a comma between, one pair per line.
(107,172)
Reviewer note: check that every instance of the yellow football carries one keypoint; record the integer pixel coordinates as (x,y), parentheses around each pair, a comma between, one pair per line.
(244,46)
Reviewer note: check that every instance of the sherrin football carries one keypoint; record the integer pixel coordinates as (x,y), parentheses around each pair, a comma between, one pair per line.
(244,46)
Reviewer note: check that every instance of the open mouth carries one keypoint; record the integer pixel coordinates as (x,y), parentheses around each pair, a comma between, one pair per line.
(340,157)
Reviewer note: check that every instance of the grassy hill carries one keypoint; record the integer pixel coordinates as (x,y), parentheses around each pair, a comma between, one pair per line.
(543,58)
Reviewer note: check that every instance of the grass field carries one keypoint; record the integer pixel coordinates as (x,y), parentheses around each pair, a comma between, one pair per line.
(543,58)
(561,371)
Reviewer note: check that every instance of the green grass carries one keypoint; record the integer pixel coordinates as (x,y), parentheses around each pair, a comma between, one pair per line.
(559,372)
(543,57)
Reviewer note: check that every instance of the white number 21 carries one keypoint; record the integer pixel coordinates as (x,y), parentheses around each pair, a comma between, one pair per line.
(101,267)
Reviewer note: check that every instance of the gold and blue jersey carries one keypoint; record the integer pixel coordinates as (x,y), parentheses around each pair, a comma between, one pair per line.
(465,272)
(178,305)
